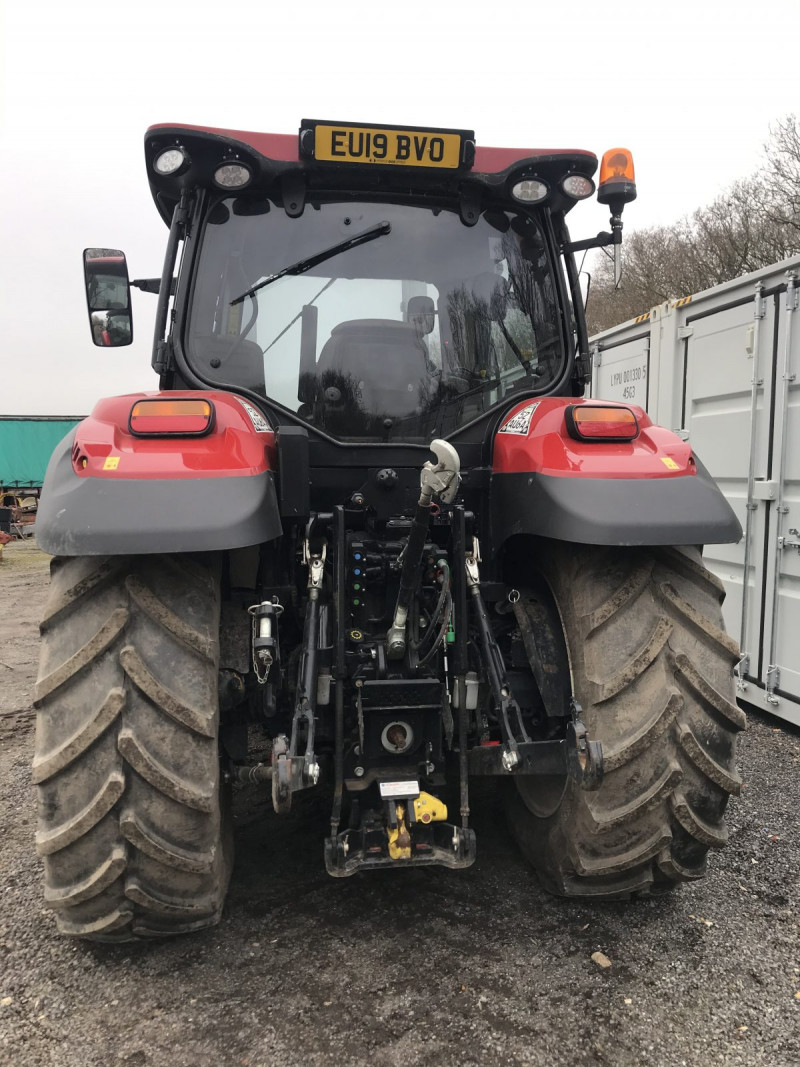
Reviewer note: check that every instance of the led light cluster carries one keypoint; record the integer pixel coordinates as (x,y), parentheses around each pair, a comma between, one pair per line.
(530,191)
(534,190)
(578,187)
(171,161)
(230,174)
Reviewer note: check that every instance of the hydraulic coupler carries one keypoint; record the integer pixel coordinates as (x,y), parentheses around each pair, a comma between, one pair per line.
(436,479)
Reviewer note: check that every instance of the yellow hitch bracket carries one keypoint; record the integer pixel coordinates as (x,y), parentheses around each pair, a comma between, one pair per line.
(399,837)
(429,809)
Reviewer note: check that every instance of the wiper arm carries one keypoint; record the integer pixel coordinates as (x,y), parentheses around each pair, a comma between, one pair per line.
(303,265)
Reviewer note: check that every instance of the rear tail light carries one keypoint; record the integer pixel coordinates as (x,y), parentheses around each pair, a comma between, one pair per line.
(593,422)
(184,418)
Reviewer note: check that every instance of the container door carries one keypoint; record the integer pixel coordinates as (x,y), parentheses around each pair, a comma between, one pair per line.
(781,666)
(621,371)
(725,348)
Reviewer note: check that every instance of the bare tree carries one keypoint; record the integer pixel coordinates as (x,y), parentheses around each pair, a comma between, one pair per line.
(782,174)
(754,223)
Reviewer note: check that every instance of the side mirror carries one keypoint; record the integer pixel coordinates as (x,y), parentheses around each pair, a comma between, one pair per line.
(108,297)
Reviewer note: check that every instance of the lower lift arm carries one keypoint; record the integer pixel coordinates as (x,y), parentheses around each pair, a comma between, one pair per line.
(291,771)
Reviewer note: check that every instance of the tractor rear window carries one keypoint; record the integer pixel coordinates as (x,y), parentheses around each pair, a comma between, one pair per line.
(375,322)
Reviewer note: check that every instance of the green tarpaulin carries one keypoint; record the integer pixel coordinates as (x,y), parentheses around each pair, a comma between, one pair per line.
(26,446)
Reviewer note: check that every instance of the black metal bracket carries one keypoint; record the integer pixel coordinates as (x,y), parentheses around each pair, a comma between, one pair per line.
(575,755)
(470,203)
(293,191)
(602,240)
(584,757)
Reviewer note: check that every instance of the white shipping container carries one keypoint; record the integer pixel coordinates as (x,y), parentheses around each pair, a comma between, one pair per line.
(722,368)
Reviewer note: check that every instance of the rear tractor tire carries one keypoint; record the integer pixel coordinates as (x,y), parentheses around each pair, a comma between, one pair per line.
(131,826)
(652,668)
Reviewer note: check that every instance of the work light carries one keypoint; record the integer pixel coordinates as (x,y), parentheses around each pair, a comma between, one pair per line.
(232,175)
(171,161)
(531,191)
(578,187)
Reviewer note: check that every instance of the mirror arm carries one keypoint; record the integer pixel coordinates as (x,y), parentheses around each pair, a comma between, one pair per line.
(151,285)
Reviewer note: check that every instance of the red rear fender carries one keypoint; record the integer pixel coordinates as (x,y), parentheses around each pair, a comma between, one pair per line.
(240,443)
(533,437)
(109,492)
(648,491)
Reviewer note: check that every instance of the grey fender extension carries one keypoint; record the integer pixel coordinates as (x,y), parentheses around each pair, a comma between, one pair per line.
(103,516)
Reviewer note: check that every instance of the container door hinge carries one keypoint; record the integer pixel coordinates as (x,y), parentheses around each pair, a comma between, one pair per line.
(773,683)
(759,304)
(684,332)
(740,670)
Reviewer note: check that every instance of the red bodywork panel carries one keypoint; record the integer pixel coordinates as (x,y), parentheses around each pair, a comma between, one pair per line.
(284,147)
(545,447)
(235,447)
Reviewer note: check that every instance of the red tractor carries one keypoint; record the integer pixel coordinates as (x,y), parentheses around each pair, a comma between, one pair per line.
(369,537)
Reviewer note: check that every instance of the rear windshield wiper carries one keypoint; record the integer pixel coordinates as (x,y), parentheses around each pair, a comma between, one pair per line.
(319,257)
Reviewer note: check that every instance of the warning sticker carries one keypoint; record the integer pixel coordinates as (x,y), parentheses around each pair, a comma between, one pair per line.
(111,463)
(520,422)
(407,788)
(260,424)
(669,462)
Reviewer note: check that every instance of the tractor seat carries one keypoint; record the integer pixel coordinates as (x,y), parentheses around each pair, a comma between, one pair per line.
(383,363)
(240,361)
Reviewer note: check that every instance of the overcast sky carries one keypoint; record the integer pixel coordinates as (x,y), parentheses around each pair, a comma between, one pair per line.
(690,88)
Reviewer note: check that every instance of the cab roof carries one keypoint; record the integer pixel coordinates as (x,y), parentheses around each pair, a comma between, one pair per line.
(276,158)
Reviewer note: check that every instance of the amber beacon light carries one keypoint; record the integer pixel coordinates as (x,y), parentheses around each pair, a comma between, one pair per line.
(617,177)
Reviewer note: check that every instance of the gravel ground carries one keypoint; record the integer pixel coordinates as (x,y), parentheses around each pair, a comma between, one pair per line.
(427,967)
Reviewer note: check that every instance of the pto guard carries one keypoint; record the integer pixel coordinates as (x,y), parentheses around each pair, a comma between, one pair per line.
(108,492)
(649,491)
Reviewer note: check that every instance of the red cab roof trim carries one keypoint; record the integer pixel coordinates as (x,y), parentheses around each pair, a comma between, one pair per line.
(284,147)
(280,146)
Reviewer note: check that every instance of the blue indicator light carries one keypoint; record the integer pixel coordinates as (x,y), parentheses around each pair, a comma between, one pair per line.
(357,571)
(357,555)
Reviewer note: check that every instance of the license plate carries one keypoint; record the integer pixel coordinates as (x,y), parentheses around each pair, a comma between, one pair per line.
(407,788)
(388,147)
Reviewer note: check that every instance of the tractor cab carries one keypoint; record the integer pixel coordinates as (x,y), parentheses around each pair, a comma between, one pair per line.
(373,284)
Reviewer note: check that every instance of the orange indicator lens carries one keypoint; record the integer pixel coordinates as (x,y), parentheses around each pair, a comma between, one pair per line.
(590,422)
(183,417)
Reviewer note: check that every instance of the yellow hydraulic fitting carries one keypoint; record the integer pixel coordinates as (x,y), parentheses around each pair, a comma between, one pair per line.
(399,837)
(429,809)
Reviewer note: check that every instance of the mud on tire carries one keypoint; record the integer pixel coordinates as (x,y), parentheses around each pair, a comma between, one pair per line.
(130,820)
(652,669)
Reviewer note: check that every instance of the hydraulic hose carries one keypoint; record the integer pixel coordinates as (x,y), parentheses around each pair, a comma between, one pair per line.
(440,635)
(440,603)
